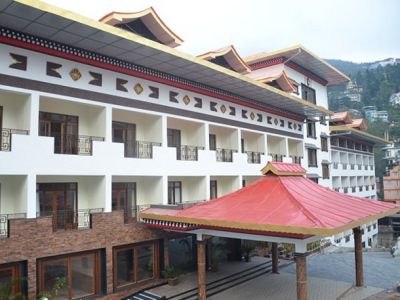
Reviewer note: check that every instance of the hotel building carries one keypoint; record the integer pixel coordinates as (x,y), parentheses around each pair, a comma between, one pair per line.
(100,119)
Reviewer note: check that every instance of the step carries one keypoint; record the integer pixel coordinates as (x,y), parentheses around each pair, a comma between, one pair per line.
(145,295)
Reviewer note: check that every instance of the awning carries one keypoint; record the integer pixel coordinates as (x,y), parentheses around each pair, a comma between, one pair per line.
(358,134)
(50,22)
(286,204)
(310,146)
(312,175)
(325,162)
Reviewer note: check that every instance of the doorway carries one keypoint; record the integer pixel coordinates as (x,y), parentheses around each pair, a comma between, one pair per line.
(174,140)
(125,133)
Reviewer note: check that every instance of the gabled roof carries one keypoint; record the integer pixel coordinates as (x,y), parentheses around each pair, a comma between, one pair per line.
(300,56)
(227,57)
(278,204)
(281,80)
(283,169)
(341,117)
(146,23)
(360,124)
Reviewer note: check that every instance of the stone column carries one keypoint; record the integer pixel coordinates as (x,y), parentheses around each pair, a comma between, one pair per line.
(301,275)
(358,256)
(274,252)
(201,268)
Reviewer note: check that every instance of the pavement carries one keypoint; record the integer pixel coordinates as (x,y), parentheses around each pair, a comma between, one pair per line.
(330,276)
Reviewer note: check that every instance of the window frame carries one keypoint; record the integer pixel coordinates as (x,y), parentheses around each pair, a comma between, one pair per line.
(325,168)
(306,89)
(309,150)
(324,145)
(313,133)
(213,185)
(175,185)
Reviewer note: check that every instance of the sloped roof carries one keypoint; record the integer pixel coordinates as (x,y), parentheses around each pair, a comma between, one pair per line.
(359,124)
(150,19)
(281,204)
(358,134)
(230,55)
(301,56)
(341,117)
(281,79)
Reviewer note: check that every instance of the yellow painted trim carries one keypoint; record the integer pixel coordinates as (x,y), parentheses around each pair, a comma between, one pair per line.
(271,168)
(366,134)
(269,227)
(266,55)
(40,5)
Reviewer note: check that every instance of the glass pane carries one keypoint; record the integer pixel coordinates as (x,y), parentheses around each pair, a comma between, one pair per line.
(178,198)
(181,254)
(125,270)
(145,262)
(53,272)
(5,277)
(82,276)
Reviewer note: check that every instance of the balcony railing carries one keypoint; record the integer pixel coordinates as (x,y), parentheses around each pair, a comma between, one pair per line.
(353,189)
(186,152)
(372,187)
(359,167)
(297,159)
(371,167)
(336,189)
(351,166)
(367,187)
(335,165)
(345,190)
(224,155)
(344,166)
(85,144)
(253,157)
(360,188)
(140,149)
(366,167)
(277,157)
(6,137)
(4,223)
(71,219)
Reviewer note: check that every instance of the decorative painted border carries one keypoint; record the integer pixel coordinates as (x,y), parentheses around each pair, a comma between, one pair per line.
(24,40)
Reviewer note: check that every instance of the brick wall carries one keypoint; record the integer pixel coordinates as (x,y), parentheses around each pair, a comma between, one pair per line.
(31,239)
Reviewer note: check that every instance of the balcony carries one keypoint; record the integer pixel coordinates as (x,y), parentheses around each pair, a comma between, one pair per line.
(186,152)
(372,187)
(344,166)
(351,166)
(345,190)
(224,155)
(297,159)
(71,219)
(139,149)
(353,189)
(335,165)
(360,167)
(367,187)
(365,167)
(276,157)
(360,188)
(4,223)
(371,167)
(6,137)
(336,189)
(253,157)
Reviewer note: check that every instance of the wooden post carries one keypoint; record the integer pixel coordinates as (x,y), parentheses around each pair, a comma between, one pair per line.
(274,252)
(166,253)
(358,256)
(301,275)
(201,268)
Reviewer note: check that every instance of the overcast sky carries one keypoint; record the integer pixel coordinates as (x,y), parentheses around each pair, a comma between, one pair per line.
(356,30)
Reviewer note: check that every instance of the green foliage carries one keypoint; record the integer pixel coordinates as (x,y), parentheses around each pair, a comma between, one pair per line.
(59,284)
(6,290)
(170,273)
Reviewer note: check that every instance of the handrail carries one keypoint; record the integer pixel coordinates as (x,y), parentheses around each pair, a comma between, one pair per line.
(6,137)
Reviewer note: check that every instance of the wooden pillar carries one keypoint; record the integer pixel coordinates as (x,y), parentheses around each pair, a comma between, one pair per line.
(274,252)
(166,253)
(201,268)
(301,276)
(358,256)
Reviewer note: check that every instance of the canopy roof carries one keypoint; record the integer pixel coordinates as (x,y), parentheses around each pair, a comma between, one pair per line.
(304,58)
(348,130)
(146,23)
(50,22)
(286,204)
(227,57)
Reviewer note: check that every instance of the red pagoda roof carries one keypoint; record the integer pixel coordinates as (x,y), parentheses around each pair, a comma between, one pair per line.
(288,204)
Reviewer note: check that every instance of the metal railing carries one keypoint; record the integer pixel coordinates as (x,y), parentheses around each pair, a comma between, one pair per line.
(371,167)
(139,149)
(351,166)
(360,188)
(253,157)
(277,157)
(344,166)
(4,223)
(85,144)
(366,167)
(336,189)
(335,165)
(186,152)
(372,187)
(345,190)
(297,159)
(359,167)
(367,187)
(6,137)
(224,155)
(353,189)
(71,219)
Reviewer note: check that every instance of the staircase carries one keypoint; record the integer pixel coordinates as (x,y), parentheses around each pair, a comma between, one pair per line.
(227,282)
(145,295)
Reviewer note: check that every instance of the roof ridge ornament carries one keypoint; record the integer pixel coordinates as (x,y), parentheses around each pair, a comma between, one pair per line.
(283,169)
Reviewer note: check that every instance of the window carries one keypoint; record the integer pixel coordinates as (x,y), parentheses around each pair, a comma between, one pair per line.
(125,133)
(11,275)
(135,264)
(311,131)
(312,157)
(124,198)
(295,85)
(243,183)
(315,179)
(213,189)
(308,94)
(242,145)
(325,171)
(212,142)
(174,192)
(324,144)
(81,272)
